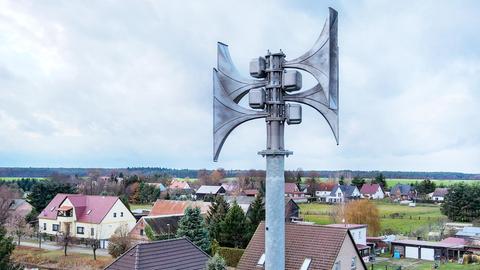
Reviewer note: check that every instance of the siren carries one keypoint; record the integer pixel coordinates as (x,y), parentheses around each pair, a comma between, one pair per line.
(227,115)
(322,62)
(235,84)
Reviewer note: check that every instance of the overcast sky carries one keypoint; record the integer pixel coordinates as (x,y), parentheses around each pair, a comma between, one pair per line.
(128,83)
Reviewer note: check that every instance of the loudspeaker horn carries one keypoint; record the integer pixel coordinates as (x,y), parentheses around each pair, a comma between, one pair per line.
(227,114)
(322,60)
(235,84)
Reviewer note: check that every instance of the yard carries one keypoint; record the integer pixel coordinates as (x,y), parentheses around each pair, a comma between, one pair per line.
(395,218)
(56,259)
(411,264)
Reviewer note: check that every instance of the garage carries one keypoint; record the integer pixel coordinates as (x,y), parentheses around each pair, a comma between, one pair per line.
(427,254)
(411,252)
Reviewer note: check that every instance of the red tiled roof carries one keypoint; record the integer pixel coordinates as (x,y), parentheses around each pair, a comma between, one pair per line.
(454,240)
(250,192)
(440,192)
(99,206)
(170,207)
(326,186)
(178,184)
(369,189)
(319,243)
(291,188)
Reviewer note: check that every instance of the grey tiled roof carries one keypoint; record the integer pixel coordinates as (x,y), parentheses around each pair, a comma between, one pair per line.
(169,254)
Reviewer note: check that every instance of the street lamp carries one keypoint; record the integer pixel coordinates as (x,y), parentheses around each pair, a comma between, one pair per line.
(275,84)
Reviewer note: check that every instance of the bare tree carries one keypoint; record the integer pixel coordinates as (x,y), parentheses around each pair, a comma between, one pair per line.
(120,241)
(6,198)
(18,227)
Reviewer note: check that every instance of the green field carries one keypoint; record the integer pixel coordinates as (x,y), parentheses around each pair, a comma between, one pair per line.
(394,218)
(445,182)
(141,206)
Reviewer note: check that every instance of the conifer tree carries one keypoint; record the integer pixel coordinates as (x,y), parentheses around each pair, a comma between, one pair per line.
(256,214)
(192,226)
(234,228)
(216,214)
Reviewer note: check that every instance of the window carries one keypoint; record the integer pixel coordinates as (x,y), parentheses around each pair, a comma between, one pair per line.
(337,266)
(306,264)
(89,211)
(92,231)
(114,214)
(55,227)
(80,230)
(51,209)
(141,232)
(354,263)
(44,226)
(261,261)
(121,214)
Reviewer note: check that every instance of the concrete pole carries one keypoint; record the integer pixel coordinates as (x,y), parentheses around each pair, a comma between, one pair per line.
(275,213)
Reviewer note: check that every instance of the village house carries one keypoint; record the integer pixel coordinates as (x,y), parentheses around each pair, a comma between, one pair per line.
(231,188)
(84,216)
(250,192)
(307,247)
(177,253)
(359,235)
(243,201)
(402,192)
(292,191)
(343,193)
(164,216)
(20,207)
(439,194)
(292,210)
(209,191)
(177,184)
(372,191)
(323,191)
(160,186)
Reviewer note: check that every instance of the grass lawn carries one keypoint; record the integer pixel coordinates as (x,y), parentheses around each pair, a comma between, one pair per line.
(411,264)
(445,182)
(141,206)
(395,218)
(55,258)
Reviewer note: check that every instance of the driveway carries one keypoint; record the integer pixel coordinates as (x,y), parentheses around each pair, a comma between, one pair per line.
(47,245)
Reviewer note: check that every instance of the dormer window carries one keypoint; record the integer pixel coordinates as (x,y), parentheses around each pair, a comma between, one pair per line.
(51,209)
(306,264)
(261,261)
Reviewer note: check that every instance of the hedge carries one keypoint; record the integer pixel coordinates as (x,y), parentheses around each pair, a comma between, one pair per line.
(231,255)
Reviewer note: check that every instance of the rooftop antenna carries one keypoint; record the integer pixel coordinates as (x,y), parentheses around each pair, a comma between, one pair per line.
(272,94)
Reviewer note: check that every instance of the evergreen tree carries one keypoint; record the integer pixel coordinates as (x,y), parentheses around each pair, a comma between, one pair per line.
(6,249)
(216,263)
(215,216)
(44,191)
(462,203)
(342,180)
(380,179)
(192,226)
(358,181)
(255,215)
(234,228)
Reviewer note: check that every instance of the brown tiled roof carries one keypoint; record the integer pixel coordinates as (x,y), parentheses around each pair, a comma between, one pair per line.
(169,254)
(319,243)
(291,188)
(369,188)
(440,192)
(170,207)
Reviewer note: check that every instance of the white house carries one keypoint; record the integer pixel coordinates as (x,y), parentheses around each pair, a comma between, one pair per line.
(372,191)
(343,193)
(439,194)
(359,235)
(83,216)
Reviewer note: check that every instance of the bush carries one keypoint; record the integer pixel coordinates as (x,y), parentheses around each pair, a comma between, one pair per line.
(216,263)
(231,255)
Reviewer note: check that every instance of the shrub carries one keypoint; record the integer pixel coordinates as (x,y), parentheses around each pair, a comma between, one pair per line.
(231,255)
(216,263)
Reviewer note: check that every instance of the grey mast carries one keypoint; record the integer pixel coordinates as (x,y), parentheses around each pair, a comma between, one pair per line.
(271,93)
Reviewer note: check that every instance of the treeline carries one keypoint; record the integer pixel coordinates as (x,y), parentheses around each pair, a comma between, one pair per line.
(193,173)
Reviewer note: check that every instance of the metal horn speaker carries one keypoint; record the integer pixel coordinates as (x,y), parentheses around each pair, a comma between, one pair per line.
(235,84)
(322,62)
(227,114)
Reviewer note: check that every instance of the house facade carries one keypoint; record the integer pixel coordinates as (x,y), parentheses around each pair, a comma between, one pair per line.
(439,194)
(323,191)
(83,216)
(359,235)
(292,191)
(307,247)
(372,191)
(343,193)
(403,192)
